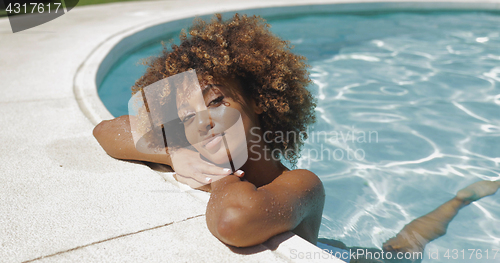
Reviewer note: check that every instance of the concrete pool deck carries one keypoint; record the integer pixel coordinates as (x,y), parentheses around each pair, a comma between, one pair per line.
(62,198)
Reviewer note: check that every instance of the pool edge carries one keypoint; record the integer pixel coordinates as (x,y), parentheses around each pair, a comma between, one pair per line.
(89,74)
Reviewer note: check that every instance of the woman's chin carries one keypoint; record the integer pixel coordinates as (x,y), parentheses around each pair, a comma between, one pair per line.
(237,161)
(219,158)
(222,157)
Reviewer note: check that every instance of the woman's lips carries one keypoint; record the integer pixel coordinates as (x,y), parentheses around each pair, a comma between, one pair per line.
(214,141)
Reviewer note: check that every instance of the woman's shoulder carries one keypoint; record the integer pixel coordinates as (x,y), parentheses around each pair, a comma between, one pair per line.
(302,179)
(300,173)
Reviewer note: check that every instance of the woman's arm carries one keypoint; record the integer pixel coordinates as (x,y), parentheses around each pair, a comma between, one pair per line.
(241,215)
(115,137)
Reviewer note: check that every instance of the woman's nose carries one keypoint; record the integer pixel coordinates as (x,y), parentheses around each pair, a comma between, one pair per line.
(204,121)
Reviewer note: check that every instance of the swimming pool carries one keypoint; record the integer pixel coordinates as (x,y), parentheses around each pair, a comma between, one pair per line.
(420,94)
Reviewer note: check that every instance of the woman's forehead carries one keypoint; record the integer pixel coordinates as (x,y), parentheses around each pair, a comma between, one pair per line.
(187,94)
(192,91)
(223,85)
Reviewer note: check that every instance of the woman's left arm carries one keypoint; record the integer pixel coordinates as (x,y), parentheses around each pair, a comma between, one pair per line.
(239,214)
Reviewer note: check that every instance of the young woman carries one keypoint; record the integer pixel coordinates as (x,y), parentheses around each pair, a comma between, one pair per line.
(241,66)
(245,73)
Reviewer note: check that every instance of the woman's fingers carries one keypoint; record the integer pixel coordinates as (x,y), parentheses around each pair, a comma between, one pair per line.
(211,171)
(198,180)
(195,181)
(203,173)
(209,168)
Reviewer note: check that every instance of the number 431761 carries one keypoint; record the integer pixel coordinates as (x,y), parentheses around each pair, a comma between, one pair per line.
(35,7)
(471,254)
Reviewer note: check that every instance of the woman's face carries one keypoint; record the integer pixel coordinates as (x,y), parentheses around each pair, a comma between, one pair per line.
(216,120)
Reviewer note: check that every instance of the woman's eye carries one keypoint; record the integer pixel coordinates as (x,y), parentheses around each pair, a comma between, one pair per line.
(216,101)
(187,118)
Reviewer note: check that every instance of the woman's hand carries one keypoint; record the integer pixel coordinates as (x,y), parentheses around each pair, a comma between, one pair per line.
(116,139)
(196,172)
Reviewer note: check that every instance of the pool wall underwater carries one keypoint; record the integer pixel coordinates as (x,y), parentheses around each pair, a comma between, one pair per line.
(93,70)
(101,60)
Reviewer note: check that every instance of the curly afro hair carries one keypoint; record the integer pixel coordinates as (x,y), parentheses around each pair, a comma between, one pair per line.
(244,48)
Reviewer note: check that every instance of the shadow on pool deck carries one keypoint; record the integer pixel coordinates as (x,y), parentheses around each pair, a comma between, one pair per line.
(62,197)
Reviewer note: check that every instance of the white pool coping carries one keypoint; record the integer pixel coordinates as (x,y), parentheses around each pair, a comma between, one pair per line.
(61,197)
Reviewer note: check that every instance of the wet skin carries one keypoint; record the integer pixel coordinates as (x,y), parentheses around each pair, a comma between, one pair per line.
(213,121)
(243,210)
(269,199)
(419,232)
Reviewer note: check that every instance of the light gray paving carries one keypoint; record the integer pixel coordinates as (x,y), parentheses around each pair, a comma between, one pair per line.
(185,241)
(61,196)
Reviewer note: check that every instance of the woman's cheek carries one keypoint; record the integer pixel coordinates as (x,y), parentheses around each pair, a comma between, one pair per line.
(191,134)
(224,116)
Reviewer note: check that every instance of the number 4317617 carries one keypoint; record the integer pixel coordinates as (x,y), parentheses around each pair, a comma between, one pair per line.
(471,254)
(35,7)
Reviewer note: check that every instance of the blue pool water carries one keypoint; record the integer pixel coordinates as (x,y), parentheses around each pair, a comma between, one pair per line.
(408,114)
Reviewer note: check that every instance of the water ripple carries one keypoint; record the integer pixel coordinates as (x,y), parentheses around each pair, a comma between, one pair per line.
(428,85)
(432,98)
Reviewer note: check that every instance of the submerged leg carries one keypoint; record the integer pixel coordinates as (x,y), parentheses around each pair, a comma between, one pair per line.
(478,190)
(422,230)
